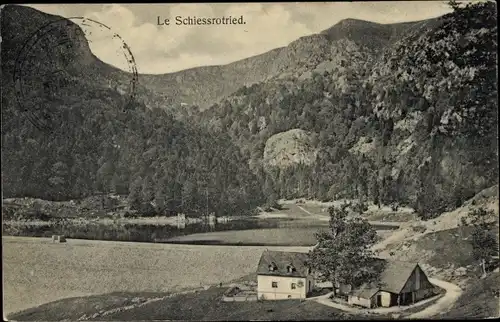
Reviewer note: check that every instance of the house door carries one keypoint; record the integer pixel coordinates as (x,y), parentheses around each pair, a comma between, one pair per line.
(379,300)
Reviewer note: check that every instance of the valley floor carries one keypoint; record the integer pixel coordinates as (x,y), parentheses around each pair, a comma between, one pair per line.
(37,271)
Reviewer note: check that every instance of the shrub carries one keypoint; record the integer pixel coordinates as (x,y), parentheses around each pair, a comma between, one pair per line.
(360,207)
(232,291)
(273,204)
(419,228)
(146,209)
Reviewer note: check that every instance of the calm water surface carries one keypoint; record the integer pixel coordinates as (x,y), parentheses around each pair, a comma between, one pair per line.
(155,233)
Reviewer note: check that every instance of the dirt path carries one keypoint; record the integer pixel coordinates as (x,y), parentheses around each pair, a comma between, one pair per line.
(324,299)
(317,216)
(444,304)
(101,314)
(372,222)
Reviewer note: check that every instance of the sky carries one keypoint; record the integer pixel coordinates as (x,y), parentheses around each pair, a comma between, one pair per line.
(165,49)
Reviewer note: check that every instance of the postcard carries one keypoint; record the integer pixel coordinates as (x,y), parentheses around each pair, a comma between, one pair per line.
(250,161)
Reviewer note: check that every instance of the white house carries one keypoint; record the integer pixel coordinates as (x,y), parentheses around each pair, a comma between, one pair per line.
(283,275)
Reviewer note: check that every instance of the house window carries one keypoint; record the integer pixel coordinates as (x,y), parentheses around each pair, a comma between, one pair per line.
(294,286)
(290,268)
(272,267)
(274,284)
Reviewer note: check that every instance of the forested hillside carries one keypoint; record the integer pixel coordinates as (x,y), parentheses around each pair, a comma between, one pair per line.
(412,121)
(396,114)
(104,143)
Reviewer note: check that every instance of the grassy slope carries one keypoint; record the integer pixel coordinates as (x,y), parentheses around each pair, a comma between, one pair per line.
(74,308)
(203,305)
(443,247)
(440,242)
(439,249)
(480,300)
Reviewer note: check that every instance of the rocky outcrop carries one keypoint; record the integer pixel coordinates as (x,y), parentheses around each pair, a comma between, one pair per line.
(291,147)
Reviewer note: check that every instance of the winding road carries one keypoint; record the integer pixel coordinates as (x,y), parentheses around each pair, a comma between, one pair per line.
(443,304)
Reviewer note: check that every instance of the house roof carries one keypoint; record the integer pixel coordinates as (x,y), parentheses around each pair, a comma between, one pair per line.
(282,260)
(392,279)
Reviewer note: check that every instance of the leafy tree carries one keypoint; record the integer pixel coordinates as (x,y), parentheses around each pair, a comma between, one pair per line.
(135,194)
(484,239)
(272,202)
(454,5)
(148,191)
(118,184)
(162,194)
(375,193)
(58,179)
(343,254)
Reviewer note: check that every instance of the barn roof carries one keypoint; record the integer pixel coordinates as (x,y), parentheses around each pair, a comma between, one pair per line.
(365,291)
(392,278)
(395,275)
(282,260)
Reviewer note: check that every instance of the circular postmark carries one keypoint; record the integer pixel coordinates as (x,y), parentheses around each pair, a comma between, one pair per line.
(55,67)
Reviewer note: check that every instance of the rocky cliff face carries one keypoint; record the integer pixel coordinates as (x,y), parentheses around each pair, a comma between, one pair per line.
(291,147)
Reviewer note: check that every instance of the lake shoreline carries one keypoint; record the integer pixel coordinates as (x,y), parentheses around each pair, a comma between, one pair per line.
(157,220)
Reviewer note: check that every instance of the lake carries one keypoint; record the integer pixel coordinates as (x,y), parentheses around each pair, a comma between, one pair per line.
(249,232)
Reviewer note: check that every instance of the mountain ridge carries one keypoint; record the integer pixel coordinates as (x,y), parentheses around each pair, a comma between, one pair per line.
(205,85)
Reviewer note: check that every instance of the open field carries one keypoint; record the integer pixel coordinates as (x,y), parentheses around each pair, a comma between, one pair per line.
(315,211)
(293,211)
(37,271)
(320,209)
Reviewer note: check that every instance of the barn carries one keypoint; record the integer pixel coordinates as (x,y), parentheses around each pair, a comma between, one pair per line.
(400,283)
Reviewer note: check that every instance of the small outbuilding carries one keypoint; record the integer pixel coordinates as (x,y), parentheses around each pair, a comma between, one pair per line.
(400,283)
(58,239)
